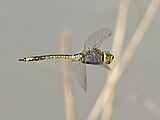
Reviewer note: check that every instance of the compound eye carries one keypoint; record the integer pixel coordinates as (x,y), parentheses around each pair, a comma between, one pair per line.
(112,57)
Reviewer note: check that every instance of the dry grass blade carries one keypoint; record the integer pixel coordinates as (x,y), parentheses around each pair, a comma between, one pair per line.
(119,68)
(120,28)
(116,48)
(147,103)
(68,94)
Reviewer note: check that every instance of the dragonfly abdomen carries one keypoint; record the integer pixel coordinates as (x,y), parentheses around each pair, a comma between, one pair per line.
(43,57)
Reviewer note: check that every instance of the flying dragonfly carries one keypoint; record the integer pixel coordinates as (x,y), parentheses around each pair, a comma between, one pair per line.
(91,54)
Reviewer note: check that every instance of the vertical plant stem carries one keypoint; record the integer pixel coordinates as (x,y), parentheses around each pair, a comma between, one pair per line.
(116,49)
(68,93)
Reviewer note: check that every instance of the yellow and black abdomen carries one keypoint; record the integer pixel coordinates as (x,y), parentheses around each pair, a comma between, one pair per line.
(43,57)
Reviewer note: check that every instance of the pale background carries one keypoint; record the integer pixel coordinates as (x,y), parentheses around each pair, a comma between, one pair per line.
(34,91)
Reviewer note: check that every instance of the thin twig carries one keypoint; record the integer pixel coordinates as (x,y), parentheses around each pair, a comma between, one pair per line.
(147,103)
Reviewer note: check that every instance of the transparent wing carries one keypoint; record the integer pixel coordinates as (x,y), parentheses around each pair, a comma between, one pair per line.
(96,38)
(80,74)
(107,67)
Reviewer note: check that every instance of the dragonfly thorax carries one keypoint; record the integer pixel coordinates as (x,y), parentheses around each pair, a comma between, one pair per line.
(93,56)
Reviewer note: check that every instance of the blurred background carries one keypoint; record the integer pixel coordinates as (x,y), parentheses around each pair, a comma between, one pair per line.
(34,91)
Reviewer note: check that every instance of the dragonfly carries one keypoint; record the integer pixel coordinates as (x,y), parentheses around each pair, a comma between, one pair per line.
(91,54)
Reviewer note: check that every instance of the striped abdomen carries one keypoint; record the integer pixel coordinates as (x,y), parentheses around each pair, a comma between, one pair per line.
(43,57)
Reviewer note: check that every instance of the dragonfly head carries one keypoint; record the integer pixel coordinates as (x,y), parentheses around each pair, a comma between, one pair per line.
(107,58)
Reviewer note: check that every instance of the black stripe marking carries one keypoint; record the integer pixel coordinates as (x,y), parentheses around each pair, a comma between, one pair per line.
(102,57)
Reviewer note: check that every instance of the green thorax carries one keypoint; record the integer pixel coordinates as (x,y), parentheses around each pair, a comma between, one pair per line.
(94,56)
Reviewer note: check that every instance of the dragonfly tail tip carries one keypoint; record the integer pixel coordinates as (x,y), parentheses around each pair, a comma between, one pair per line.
(20,59)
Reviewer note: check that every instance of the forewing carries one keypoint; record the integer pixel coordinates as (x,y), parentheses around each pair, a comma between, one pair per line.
(80,74)
(96,39)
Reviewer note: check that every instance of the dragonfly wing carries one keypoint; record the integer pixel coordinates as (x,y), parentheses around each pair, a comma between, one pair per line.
(80,74)
(96,39)
(107,67)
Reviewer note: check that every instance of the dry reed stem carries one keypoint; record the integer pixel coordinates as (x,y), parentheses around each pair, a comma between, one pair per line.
(116,49)
(68,93)
(147,103)
(108,108)
(120,66)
